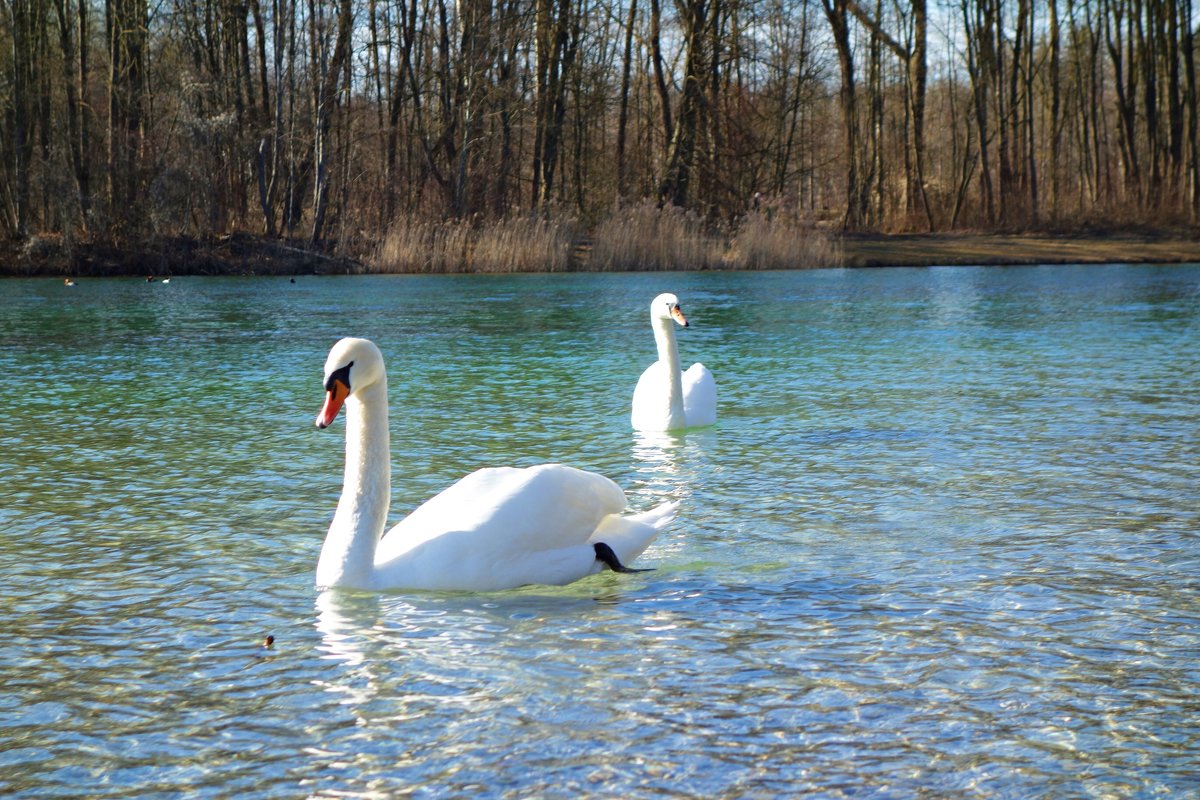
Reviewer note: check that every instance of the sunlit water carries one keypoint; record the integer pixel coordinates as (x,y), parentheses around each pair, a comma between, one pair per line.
(943,541)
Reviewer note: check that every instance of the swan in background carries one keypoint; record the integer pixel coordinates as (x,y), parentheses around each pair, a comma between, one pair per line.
(667,399)
(497,528)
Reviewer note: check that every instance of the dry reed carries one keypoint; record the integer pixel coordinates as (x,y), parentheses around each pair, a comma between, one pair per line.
(637,238)
(780,242)
(522,244)
(414,246)
(646,237)
(514,245)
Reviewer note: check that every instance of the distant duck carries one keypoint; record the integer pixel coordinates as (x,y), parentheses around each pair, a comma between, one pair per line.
(150,279)
(665,398)
(495,529)
(68,282)
(166,280)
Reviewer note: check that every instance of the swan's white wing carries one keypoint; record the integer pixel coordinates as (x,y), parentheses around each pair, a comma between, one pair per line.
(535,508)
(502,527)
(699,396)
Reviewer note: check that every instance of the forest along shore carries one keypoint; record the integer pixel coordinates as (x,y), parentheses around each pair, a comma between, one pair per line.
(248,254)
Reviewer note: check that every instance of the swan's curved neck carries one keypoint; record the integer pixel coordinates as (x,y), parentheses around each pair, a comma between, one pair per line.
(348,555)
(668,355)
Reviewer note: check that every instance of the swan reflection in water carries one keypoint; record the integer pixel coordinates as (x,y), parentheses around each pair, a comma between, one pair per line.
(450,628)
(345,622)
(674,461)
(393,657)
(657,452)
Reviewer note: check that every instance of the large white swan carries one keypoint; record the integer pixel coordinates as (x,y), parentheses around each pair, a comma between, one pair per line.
(497,528)
(667,399)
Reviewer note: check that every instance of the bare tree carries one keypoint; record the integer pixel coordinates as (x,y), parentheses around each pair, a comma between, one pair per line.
(836,11)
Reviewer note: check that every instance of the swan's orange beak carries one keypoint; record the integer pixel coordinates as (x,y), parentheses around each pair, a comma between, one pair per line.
(335,395)
(677,313)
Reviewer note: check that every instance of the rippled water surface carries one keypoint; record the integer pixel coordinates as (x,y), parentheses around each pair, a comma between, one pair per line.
(943,542)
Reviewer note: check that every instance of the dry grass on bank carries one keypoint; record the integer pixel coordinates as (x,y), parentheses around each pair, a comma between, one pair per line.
(781,243)
(638,238)
(513,245)
(523,245)
(645,237)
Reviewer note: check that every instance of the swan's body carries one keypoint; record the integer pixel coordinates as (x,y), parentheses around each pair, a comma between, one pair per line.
(665,398)
(495,529)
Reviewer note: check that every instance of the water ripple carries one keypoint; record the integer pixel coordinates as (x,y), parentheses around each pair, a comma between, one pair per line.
(943,541)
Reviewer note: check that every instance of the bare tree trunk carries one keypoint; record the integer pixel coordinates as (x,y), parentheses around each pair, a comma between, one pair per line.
(1190,101)
(835,11)
(509,104)
(43,125)
(660,80)
(980,64)
(623,113)
(382,85)
(696,16)
(1089,80)
(918,71)
(1029,145)
(328,73)
(874,182)
(1055,122)
(1147,48)
(66,42)
(126,22)
(275,147)
(1006,104)
(1121,52)
(1170,31)
(962,155)
(558,35)
(21,112)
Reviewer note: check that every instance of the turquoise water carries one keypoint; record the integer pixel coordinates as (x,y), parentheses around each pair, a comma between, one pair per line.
(943,542)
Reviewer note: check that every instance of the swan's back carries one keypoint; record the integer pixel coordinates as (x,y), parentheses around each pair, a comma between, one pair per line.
(534,507)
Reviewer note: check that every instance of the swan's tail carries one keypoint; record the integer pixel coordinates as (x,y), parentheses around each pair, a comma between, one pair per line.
(658,517)
(629,536)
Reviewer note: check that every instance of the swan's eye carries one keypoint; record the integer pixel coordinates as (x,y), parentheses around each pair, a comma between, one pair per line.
(341,374)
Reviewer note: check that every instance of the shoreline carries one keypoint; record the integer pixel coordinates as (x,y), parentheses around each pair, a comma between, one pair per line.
(243,254)
(994,249)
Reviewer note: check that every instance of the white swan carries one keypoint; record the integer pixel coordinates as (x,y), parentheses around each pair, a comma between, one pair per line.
(665,398)
(495,529)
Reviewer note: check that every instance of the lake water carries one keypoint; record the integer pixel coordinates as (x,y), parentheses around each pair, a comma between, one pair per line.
(944,540)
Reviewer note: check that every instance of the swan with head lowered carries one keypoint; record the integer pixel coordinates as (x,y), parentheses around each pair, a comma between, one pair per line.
(497,528)
(666,398)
